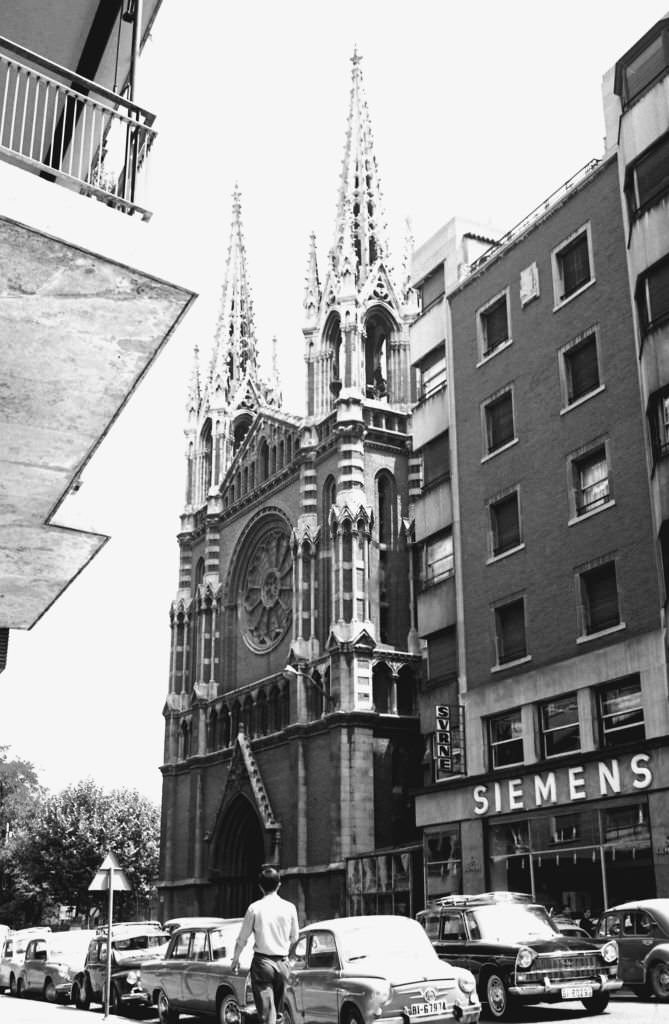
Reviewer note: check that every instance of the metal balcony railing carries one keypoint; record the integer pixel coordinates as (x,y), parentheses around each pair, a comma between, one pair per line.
(68,129)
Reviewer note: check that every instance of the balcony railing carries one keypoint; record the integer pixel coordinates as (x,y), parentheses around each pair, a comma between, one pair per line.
(68,129)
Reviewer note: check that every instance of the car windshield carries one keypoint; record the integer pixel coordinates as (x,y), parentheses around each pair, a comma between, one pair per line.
(391,939)
(136,942)
(504,922)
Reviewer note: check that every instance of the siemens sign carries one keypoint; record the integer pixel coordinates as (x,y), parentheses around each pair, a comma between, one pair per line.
(564,785)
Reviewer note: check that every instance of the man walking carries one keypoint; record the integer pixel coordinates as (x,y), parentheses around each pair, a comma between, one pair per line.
(273,923)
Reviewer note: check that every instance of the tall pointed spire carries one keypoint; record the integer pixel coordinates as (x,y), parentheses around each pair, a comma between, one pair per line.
(194,394)
(359,188)
(235,349)
(312,286)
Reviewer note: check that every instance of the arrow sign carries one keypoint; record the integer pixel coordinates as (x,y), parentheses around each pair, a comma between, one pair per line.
(110,867)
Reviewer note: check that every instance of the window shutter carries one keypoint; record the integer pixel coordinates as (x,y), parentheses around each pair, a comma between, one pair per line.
(583,369)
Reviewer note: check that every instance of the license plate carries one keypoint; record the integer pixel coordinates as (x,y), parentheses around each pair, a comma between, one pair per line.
(433,1009)
(577,992)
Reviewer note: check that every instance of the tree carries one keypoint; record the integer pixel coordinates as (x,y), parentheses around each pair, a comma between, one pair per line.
(19,791)
(63,843)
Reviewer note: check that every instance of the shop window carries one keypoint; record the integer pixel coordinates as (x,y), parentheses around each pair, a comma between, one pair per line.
(560,731)
(580,369)
(565,828)
(648,177)
(505,524)
(432,371)
(438,559)
(652,296)
(599,599)
(505,739)
(443,862)
(511,644)
(621,717)
(644,67)
(572,265)
(499,429)
(493,325)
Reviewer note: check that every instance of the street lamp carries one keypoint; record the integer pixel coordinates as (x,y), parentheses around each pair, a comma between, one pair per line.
(290,671)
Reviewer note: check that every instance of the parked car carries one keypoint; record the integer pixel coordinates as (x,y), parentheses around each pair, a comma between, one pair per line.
(363,970)
(132,944)
(190,922)
(517,954)
(641,929)
(12,954)
(195,975)
(51,963)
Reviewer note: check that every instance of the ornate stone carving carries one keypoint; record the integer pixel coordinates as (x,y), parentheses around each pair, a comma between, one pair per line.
(265,606)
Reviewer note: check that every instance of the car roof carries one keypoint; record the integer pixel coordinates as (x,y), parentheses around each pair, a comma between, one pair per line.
(211,923)
(342,925)
(659,906)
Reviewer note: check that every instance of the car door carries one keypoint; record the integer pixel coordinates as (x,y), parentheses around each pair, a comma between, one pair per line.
(195,972)
(631,951)
(28,963)
(5,961)
(297,962)
(451,943)
(320,979)
(174,967)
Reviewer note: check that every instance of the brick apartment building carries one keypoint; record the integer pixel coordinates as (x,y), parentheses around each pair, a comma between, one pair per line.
(548,642)
(291,732)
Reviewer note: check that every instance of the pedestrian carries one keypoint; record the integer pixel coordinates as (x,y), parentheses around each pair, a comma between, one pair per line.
(587,923)
(272,921)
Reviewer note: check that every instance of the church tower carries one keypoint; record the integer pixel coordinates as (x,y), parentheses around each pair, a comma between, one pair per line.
(292,731)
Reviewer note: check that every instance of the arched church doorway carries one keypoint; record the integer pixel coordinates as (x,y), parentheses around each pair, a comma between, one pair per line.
(240,854)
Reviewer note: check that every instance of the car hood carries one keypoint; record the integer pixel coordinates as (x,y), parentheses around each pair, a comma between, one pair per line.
(400,970)
(133,957)
(560,944)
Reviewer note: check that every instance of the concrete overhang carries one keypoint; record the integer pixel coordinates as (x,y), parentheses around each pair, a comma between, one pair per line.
(84,310)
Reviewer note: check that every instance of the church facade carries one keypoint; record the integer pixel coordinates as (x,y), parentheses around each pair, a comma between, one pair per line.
(292,733)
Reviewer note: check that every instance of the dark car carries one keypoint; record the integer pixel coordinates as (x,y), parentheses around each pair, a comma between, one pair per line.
(517,955)
(641,929)
(131,944)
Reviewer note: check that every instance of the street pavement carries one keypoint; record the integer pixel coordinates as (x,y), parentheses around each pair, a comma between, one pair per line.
(624,1008)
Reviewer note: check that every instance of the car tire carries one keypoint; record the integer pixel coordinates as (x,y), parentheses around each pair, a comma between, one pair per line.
(658,980)
(115,1004)
(81,996)
(350,1016)
(597,1003)
(166,1015)
(12,985)
(49,992)
(500,1004)
(229,1010)
(20,989)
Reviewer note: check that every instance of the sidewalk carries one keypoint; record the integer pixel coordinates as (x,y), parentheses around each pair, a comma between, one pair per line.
(36,1011)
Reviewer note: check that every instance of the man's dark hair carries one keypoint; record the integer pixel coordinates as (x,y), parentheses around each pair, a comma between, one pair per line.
(269,878)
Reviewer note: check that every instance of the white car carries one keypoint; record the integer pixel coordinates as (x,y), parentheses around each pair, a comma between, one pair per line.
(12,955)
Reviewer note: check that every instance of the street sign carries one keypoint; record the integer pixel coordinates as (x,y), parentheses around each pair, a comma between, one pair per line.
(109,877)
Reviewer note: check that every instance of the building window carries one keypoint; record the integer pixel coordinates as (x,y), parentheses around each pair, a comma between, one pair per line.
(572,265)
(432,372)
(581,369)
(436,461)
(621,712)
(499,426)
(505,739)
(658,421)
(560,732)
(652,296)
(591,481)
(599,598)
(648,177)
(505,523)
(642,69)
(438,559)
(432,288)
(493,325)
(510,631)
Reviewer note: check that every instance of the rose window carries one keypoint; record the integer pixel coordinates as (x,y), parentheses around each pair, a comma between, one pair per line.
(266,595)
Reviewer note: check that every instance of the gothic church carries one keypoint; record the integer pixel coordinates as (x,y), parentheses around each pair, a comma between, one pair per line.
(291,723)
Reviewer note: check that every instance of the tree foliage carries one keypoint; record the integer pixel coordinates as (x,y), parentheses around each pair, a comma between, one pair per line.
(57,848)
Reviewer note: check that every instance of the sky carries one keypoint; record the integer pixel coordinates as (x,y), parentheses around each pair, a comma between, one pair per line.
(479,110)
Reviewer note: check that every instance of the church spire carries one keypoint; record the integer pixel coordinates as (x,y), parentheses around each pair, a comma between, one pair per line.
(359,189)
(312,286)
(235,353)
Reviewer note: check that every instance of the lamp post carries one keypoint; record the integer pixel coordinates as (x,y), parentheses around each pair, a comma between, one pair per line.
(291,672)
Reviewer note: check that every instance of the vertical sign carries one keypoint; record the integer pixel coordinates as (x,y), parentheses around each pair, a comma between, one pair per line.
(449,745)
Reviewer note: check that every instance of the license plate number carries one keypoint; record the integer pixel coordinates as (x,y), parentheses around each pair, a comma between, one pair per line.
(432,1009)
(577,992)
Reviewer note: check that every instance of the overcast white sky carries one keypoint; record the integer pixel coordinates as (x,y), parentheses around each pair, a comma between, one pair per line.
(479,109)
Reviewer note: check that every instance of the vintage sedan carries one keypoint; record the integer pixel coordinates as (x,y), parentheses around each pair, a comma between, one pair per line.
(362,970)
(131,944)
(195,976)
(641,930)
(51,964)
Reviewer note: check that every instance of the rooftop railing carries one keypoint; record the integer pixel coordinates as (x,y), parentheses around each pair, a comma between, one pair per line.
(68,129)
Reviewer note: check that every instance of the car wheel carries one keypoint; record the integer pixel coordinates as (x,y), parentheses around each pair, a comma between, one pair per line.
(287,1014)
(50,993)
(500,1003)
(12,985)
(166,1015)
(20,988)
(596,1003)
(229,1011)
(658,978)
(350,1016)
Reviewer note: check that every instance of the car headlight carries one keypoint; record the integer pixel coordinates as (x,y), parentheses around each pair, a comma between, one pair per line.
(610,952)
(381,991)
(132,977)
(466,983)
(525,957)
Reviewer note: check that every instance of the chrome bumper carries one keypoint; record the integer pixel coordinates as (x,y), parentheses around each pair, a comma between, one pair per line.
(551,988)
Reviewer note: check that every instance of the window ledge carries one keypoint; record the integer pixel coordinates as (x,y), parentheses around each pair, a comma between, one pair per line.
(584,639)
(579,291)
(498,451)
(582,399)
(594,512)
(491,355)
(511,664)
(505,554)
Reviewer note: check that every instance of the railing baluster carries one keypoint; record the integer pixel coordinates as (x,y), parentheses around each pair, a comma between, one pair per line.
(26,93)
(53,120)
(34,117)
(16,97)
(45,114)
(4,102)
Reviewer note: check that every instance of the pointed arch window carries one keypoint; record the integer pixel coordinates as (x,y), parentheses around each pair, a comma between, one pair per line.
(206,451)
(378,329)
(212,731)
(386,493)
(196,622)
(224,727)
(329,498)
(248,717)
(263,469)
(333,345)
